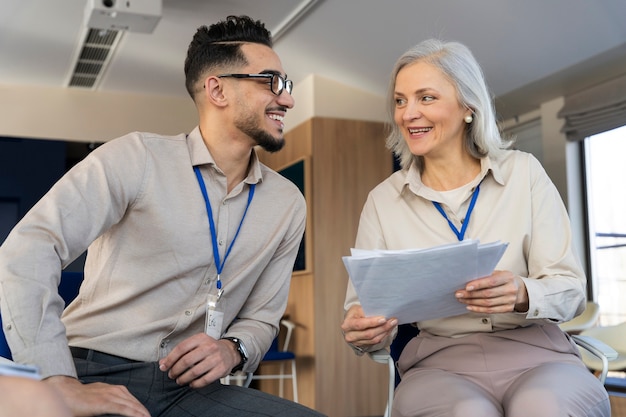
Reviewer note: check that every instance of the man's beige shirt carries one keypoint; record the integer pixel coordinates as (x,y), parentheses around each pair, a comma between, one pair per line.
(150,267)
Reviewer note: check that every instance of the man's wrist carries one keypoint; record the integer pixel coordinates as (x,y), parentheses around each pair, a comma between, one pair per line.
(241,349)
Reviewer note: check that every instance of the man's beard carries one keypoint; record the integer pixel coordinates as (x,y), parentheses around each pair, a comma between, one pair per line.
(261,137)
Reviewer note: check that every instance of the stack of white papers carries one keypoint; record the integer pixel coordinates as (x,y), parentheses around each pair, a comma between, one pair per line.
(10,368)
(415,285)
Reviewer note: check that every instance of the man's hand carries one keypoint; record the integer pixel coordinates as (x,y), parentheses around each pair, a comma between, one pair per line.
(96,399)
(362,332)
(501,292)
(200,360)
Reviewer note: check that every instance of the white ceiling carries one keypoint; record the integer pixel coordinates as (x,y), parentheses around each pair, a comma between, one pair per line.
(531,50)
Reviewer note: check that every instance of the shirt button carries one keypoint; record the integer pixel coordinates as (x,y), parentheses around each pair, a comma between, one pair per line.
(9,327)
(187,313)
(536,312)
(221,242)
(163,343)
(485,321)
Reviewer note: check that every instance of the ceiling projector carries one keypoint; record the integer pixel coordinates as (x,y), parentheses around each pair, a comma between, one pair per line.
(139,16)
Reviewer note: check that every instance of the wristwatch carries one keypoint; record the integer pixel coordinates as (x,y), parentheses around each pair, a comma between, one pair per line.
(241,348)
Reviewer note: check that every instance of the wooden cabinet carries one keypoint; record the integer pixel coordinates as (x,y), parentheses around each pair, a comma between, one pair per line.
(345,159)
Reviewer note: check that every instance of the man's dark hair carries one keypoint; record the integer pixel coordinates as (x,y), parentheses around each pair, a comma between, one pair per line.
(219,45)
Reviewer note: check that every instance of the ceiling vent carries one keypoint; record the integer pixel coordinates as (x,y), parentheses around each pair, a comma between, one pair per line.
(106,22)
(95,53)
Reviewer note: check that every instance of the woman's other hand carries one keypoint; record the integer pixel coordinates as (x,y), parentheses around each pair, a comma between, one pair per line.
(363,332)
(501,292)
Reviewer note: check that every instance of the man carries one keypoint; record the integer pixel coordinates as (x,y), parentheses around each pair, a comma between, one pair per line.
(191,242)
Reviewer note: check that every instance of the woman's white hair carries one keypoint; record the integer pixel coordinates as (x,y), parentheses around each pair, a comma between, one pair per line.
(455,60)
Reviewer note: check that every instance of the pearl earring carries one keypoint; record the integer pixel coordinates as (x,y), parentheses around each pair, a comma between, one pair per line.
(468,119)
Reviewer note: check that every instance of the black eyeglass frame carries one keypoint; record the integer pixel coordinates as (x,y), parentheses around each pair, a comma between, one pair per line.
(282,82)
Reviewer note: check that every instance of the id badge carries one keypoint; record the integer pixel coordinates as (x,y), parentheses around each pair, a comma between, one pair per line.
(214,317)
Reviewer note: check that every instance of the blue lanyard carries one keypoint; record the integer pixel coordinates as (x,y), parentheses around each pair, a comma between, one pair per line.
(460,235)
(216,254)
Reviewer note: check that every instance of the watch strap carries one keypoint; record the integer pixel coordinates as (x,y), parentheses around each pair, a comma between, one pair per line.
(242,352)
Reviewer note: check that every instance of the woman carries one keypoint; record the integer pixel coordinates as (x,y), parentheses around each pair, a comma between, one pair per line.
(506,356)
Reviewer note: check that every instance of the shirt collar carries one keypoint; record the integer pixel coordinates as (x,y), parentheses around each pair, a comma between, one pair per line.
(413,179)
(488,164)
(200,155)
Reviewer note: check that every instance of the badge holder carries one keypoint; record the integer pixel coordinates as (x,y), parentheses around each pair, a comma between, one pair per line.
(214,316)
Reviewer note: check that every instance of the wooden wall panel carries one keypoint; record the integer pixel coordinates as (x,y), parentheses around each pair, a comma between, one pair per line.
(348,159)
(300,304)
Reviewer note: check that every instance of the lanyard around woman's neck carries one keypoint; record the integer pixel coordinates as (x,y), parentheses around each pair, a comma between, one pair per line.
(219,265)
(460,234)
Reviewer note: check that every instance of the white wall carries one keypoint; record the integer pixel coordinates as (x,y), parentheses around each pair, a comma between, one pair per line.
(93,116)
(316,96)
(89,116)
(554,156)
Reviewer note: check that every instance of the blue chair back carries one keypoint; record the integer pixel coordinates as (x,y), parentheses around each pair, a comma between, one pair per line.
(275,354)
(68,289)
(5,352)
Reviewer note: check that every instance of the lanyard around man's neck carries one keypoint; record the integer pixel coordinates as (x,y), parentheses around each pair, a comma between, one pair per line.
(219,265)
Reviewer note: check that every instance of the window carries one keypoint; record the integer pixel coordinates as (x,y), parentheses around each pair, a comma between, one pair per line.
(606,202)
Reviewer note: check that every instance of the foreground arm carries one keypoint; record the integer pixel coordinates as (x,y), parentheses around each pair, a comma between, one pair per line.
(96,399)
(29,397)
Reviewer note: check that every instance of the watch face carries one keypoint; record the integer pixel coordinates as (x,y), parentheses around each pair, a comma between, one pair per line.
(242,349)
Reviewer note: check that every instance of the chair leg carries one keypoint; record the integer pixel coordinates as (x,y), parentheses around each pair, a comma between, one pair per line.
(294,381)
(281,391)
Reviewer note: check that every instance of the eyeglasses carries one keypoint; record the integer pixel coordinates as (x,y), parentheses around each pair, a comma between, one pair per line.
(277,82)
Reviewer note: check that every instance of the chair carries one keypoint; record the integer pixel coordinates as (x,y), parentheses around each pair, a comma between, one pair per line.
(282,356)
(614,336)
(405,333)
(595,347)
(240,378)
(586,320)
